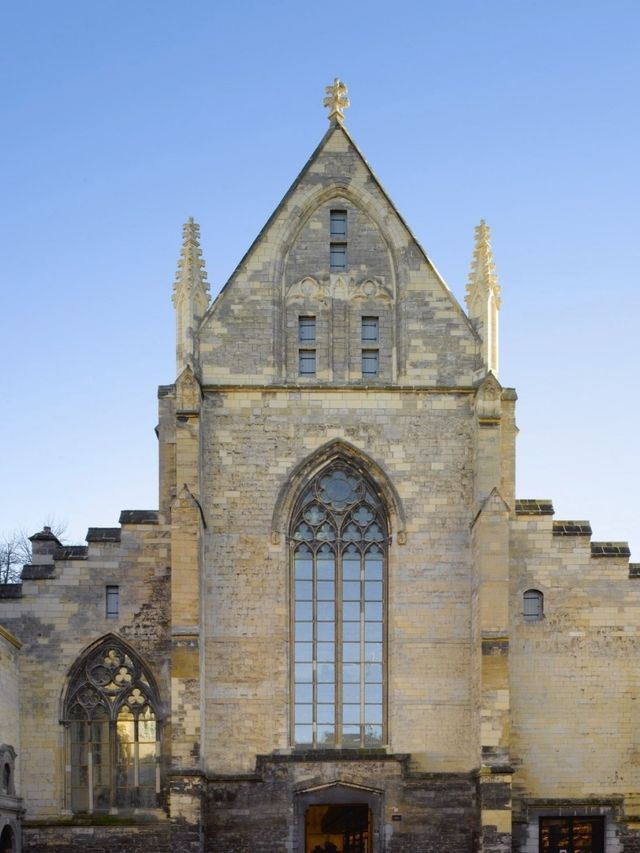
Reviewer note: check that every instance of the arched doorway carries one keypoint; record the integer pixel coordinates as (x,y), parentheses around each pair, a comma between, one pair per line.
(338,818)
(7,841)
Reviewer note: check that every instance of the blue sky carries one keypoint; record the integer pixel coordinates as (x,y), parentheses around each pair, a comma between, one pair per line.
(121,120)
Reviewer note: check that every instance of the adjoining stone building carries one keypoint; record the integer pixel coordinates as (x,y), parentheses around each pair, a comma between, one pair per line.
(340,630)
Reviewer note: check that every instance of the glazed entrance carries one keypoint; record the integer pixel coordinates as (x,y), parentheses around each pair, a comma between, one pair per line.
(338,829)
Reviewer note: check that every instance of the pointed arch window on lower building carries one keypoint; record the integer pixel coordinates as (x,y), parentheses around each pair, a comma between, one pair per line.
(339,558)
(113,736)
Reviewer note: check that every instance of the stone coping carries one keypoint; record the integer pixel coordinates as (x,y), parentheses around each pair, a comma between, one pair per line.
(139,516)
(610,549)
(572,528)
(534,506)
(103,534)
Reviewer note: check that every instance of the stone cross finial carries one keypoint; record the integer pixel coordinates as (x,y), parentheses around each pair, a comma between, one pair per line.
(337,101)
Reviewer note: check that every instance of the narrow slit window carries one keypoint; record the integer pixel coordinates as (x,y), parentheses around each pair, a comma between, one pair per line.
(112,602)
(338,257)
(338,223)
(307,362)
(370,362)
(307,330)
(533,605)
(370,329)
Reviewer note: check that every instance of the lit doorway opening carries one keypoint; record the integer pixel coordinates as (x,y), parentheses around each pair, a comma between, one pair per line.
(338,828)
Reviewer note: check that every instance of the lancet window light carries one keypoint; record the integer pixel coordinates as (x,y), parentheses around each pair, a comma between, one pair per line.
(112,732)
(339,549)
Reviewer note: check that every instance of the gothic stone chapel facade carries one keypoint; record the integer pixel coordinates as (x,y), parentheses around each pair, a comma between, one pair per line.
(340,631)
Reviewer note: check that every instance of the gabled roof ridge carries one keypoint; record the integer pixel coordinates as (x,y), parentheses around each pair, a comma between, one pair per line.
(333,128)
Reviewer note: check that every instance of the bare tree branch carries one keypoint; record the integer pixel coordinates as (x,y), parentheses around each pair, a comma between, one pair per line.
(15,551)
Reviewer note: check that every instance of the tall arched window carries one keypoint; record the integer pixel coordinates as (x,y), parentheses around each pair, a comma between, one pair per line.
(113,739)
(339,564)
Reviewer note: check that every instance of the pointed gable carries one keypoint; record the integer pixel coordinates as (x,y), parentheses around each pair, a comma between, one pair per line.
(337,253)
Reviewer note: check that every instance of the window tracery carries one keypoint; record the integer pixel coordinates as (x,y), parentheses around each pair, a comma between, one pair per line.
(339,553)
(113,731)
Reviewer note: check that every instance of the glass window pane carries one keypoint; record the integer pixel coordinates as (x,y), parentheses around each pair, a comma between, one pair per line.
(373,714)
(351,652)
(326,713)
(304,713)
(373,693)
(326,735)
(326,569)
(326,590)
(304,652)
(369,328)
(372,568)
(326,692)
(373,611)
(351,673)
(326,632)
(304,672)
(373,651)
(351,570)
(373,591)
(326,673)
(373,632)
(304,590)
(304,692)
(303,734)
(351,610)
(373,673)
(304,631)
(373,735)
(351,692)
(350,714)
(351,632)
(304,611)
(303,568)
(326,652)
(351,736)
(351,590)
(326,610)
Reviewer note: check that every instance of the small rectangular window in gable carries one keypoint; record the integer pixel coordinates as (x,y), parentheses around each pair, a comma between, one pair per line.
(370,329)
(306,330)
(369,362)
(338,223)
(112,602)
(307,362)
(338,257)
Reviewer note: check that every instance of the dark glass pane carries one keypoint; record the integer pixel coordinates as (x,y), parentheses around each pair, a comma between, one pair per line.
(80,798)
(147,795)
(326,735)
(351,736)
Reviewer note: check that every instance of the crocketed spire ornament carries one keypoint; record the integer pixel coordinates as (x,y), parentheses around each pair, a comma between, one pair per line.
(483,296)
(337,101)
(191,275)
(190,296)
